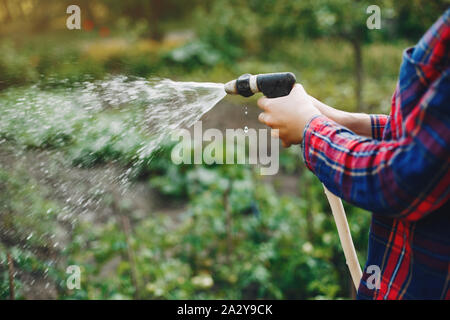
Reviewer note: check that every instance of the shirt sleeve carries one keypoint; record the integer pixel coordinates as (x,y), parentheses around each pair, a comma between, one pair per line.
(406,178)
(378,123)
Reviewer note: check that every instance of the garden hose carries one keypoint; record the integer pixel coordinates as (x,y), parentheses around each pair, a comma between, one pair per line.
(345,237)
(274,85)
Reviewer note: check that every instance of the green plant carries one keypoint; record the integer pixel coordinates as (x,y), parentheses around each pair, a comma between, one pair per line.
(15,67)
(194,55)
(30,245)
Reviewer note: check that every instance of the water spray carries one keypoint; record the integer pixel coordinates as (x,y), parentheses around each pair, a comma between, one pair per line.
(274,85)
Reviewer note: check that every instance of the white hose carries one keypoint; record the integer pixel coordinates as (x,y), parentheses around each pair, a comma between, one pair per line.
(345,236)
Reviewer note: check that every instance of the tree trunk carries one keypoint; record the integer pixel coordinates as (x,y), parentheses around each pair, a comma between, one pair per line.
(229,224)
(11,276)
(7,11)
(359,74)
(126,227)
(41,16)
(20,9)
(86,11)
(156,10)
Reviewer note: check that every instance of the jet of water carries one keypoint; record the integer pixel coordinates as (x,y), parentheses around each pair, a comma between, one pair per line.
(166,104)
(172,105)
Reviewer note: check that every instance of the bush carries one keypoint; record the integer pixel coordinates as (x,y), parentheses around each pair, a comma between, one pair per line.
(15,67)
(194,55)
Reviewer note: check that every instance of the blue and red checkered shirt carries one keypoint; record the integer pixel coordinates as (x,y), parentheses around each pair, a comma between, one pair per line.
(401,174)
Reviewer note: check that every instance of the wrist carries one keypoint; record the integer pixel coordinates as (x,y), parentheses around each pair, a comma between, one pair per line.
(307,120)
(316,123)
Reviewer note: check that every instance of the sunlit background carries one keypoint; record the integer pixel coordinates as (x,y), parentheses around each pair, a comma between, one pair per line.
(72,192)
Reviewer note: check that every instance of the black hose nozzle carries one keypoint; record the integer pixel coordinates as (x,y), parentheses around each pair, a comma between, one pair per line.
(272,85)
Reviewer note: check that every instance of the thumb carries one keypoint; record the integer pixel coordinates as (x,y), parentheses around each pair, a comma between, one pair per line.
(298,88)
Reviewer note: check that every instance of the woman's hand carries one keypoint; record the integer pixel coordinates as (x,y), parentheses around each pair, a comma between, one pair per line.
(288,114)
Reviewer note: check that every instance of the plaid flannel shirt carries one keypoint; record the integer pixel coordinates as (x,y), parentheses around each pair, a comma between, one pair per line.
(401,174)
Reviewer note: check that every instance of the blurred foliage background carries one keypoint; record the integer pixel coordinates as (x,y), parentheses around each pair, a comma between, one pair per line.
(207,231)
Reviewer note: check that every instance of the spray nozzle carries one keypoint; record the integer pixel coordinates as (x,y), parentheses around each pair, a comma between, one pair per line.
(272,85)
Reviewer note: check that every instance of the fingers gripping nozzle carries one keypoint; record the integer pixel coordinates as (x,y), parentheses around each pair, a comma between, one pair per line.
(272,85)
